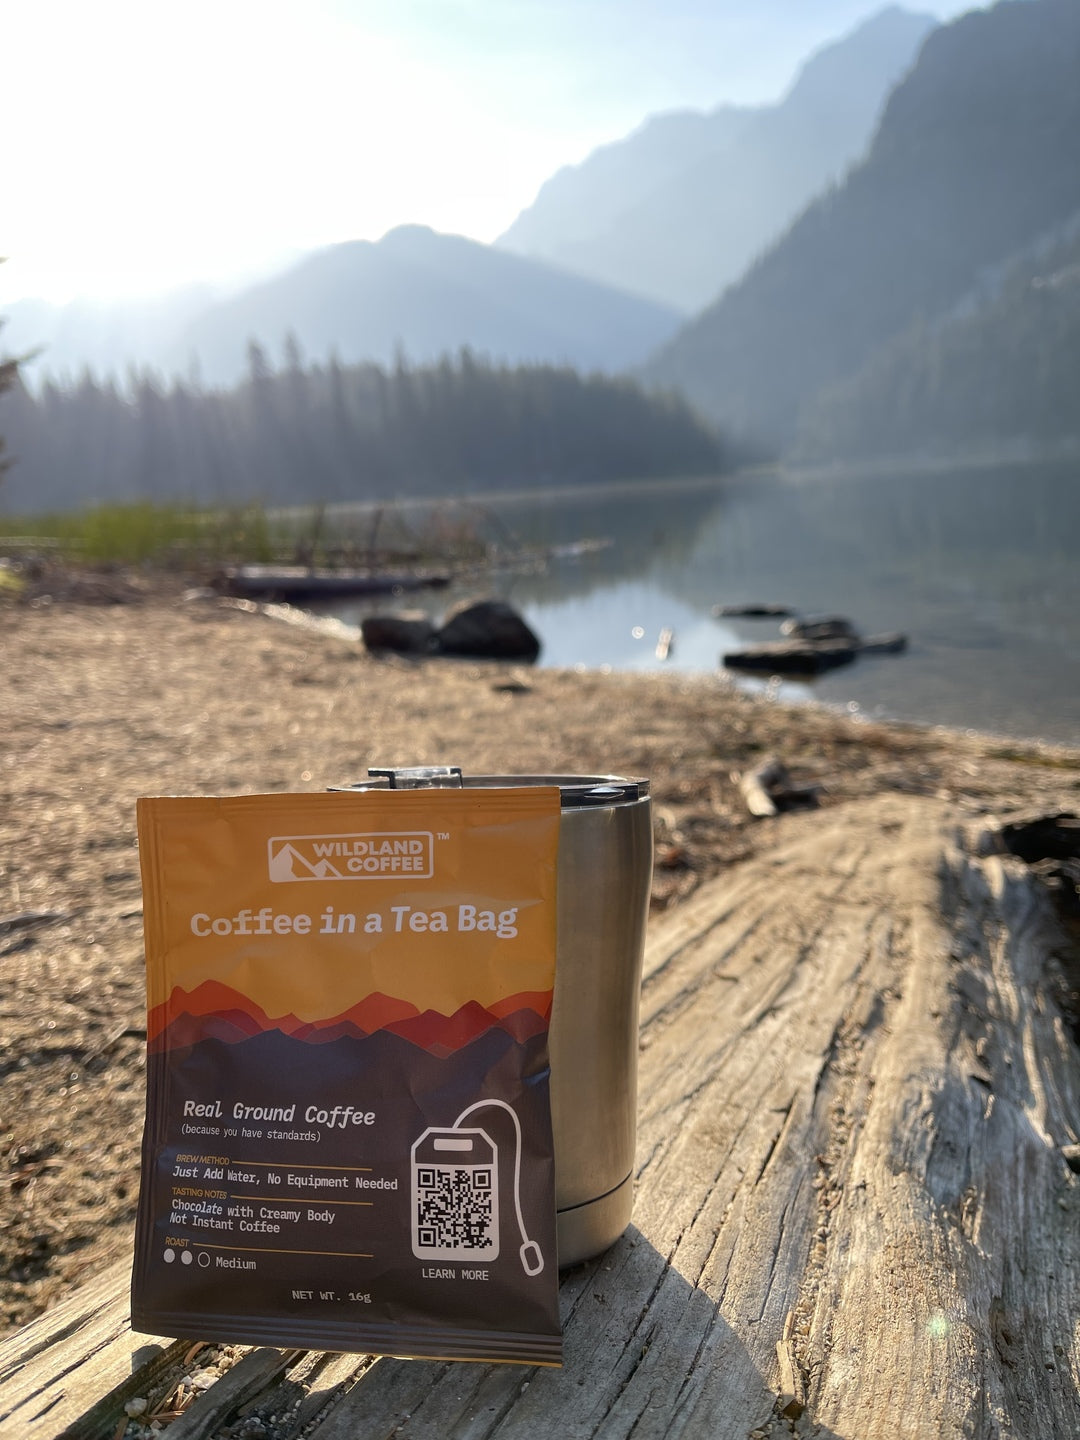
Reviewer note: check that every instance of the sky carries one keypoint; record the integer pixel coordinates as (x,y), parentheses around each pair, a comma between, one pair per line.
(151,145)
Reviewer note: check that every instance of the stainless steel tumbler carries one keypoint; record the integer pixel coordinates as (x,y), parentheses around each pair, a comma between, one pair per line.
(604,880)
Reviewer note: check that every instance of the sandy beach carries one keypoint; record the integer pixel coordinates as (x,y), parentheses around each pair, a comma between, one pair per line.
(167,692)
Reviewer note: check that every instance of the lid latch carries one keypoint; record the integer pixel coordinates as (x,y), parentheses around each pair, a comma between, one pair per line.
(416,777)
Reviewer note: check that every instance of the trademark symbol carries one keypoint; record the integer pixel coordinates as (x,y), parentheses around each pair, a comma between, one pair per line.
(443,835)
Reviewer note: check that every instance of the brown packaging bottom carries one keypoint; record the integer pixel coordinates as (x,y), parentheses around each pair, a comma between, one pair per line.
(400,1235)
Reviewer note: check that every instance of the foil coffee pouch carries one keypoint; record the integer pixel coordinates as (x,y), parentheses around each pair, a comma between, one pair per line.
(348,1133)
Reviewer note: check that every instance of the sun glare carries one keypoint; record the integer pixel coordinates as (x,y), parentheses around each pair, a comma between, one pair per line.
(158,146)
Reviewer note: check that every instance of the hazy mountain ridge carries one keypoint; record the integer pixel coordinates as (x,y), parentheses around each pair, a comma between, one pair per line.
(975,158)
(414,291)
(428,295)
(998,373)
(678,209)
(107,338)
(582,202)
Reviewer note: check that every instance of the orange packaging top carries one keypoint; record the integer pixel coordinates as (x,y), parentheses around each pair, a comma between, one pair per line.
(410,895)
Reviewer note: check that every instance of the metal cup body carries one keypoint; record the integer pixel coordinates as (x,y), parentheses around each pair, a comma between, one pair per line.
(605,870)
(604,882)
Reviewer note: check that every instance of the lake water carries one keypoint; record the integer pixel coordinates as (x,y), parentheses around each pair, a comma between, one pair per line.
(979,567)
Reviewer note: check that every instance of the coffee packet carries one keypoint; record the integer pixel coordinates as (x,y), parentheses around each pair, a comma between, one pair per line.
(348,1132)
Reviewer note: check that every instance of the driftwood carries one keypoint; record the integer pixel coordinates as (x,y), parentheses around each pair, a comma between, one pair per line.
(811,656)
(300,583)
(768,789)
(854,1218)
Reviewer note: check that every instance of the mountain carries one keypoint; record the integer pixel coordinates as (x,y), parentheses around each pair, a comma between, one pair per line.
(427,295)
(678,209)
(577,216)
(105,338)
(214,1010)
(996,373)
(975,157)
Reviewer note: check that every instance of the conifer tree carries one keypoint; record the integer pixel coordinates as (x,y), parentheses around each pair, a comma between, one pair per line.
(8,371)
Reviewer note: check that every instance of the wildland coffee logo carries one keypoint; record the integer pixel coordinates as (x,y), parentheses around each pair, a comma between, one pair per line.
(352,857)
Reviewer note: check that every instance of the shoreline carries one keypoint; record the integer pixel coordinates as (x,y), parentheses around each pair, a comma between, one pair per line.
(903,465)
(158,695)
(334,628)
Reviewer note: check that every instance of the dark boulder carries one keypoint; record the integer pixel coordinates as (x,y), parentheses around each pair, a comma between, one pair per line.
(412,634)
(487,629)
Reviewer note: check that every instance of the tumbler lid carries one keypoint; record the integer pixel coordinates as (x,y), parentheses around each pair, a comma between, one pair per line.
(576,791)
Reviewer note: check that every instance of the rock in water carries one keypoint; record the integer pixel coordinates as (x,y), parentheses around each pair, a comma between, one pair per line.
(820,627)
(487,629)
(403,634)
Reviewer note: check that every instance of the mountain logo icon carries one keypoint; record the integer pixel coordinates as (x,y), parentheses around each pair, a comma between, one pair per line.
(286,863)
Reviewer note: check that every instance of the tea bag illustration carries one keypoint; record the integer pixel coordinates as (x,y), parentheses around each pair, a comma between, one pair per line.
(455,1194)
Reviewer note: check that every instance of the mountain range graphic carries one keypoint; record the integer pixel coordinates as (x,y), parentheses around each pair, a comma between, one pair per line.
(216,1011)
(288,864)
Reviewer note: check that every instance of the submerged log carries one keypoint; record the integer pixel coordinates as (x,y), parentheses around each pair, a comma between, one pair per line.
(811,657)
(793,657)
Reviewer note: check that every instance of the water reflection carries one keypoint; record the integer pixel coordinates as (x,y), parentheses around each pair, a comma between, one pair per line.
(977,566)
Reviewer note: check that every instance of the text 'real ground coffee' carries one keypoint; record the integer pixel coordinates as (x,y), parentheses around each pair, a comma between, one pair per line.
(348,1136)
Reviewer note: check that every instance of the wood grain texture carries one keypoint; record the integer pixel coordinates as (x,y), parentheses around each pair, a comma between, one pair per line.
(853,1215)
(56,1369)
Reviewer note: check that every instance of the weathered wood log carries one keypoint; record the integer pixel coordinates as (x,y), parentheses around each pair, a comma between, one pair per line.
(855,1216)
(901,1088)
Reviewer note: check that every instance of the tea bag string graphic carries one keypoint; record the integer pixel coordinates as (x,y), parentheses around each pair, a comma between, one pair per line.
(530,1254)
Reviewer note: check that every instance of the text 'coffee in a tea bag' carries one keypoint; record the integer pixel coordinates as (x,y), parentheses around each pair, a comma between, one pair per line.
(348,1131)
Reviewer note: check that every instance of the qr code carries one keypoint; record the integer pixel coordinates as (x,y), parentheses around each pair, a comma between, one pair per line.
(456,1210)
